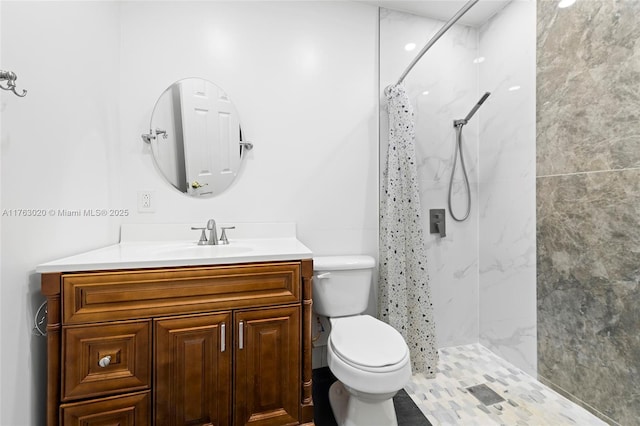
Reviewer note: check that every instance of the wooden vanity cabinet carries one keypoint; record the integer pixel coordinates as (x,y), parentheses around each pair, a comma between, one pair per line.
(207,345)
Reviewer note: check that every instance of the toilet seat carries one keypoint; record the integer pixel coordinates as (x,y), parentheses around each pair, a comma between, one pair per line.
(368,344)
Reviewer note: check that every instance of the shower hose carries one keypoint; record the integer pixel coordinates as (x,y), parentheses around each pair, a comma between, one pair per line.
(464,172)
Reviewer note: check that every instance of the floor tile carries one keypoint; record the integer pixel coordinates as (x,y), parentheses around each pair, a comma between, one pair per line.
(445,399)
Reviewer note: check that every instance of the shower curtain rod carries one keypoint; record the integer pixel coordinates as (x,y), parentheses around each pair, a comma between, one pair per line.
(435,38)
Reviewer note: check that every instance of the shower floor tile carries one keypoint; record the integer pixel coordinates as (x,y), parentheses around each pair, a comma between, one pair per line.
(445,400)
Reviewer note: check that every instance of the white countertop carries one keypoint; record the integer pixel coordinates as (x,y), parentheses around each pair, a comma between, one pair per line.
(136,251)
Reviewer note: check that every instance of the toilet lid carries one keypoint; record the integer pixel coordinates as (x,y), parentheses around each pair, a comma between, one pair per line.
(364,340)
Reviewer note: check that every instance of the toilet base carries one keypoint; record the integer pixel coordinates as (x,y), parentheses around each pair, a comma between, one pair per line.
(350,410)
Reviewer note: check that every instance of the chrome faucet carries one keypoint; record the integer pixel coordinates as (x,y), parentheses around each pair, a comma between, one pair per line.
(213,233)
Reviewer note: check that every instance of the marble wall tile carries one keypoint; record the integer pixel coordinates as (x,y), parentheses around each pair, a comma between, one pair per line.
(588,187)
(588,292)
(453,268)
(442,86)
(506,224)
(588,86)
(507,270)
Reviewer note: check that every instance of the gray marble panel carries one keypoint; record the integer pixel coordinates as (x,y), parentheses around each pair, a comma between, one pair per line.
(588,249)
(588,94)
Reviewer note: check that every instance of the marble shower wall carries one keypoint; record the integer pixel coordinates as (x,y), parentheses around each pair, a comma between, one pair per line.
(588,203)
(443,86)
(483,272)
(507,194)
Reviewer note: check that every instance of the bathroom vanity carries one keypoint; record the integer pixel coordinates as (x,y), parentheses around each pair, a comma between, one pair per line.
(167,334)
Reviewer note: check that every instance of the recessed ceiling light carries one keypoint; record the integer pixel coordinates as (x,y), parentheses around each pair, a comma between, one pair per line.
(514,88)
(426,92)
(478,60)
(409,46)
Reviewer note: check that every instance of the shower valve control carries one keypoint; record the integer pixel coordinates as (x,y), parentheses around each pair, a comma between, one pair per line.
(437,222)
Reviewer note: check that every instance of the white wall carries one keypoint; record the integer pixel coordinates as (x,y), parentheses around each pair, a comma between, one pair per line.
(507,223)
(301,74)
(58,151)
(448,73)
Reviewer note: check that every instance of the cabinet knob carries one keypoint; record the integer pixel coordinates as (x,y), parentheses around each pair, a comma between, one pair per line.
(104,361)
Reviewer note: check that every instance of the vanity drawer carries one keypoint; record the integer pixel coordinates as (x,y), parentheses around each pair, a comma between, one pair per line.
(144,293)
(103,359)
(129,410)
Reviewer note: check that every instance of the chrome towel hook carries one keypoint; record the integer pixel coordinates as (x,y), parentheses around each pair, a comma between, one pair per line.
(10,77)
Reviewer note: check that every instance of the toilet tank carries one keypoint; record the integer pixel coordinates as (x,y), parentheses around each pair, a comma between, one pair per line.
(341,284)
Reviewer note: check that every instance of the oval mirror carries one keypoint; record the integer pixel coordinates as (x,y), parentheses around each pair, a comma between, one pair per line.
(195,138)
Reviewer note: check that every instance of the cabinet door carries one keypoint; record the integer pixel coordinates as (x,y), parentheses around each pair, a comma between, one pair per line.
(267,368)
(193,370)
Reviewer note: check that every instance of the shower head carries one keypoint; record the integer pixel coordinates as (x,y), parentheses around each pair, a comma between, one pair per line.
(484,98)
(464,121)
(476,106)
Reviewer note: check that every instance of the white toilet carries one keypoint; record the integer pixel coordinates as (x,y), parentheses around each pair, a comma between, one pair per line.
(369,358)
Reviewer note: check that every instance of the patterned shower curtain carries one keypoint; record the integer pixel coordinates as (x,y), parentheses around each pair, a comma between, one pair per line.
(404,292)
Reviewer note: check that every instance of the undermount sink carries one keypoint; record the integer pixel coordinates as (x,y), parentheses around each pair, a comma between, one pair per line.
(193,249)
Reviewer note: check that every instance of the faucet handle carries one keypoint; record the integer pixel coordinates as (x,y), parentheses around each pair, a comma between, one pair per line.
(203,235)
(223,236)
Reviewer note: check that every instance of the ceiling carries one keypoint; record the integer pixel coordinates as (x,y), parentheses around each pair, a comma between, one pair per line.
(445,9)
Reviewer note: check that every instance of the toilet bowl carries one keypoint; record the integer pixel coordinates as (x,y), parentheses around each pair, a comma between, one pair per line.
(369,358)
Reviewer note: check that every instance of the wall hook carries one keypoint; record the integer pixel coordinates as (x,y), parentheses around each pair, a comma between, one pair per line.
(10,77)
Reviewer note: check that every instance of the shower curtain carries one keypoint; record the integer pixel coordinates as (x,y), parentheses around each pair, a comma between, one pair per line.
(404,292)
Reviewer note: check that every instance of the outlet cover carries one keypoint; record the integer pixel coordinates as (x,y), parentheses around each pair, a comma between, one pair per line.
(146,202)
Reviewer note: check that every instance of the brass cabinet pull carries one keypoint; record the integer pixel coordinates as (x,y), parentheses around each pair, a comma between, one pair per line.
(223,338)
(104,361)
(241,335)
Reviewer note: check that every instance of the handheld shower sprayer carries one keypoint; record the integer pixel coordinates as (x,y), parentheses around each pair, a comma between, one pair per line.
(465,120)
(458,124)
